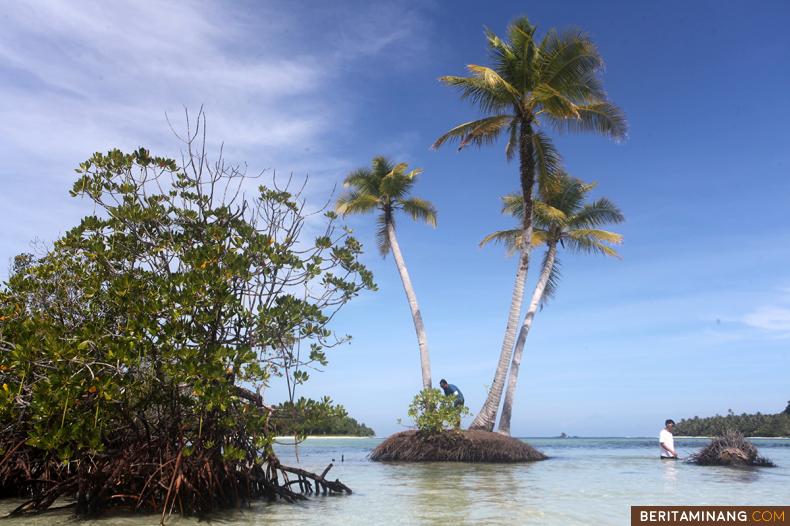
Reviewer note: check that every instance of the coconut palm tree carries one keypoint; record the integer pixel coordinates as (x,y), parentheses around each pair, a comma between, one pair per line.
(562,219)
(531,83)
(385,187)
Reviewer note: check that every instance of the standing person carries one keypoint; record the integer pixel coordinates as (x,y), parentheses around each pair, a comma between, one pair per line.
(667,442)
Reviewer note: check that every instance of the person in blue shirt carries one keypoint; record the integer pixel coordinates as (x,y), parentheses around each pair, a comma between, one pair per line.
(451,390)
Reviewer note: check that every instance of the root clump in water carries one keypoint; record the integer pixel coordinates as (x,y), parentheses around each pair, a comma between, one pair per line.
(454,446)
(730,449)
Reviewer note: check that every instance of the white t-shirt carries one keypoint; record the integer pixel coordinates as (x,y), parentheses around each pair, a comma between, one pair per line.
(666,438)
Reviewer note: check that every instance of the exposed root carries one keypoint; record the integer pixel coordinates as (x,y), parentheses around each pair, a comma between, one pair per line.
(154,477)
(730,449)
(454,446)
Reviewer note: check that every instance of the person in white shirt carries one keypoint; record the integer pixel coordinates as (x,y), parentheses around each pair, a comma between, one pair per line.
(667,442)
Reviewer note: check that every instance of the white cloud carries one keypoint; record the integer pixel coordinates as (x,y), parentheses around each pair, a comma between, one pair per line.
(79,77)
(89,75)
(770,319)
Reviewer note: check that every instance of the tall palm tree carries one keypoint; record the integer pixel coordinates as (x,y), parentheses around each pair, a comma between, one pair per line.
(385,187)
(553,81)
(562,219)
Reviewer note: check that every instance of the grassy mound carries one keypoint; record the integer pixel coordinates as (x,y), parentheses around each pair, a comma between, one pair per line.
(730,449)
(454,446)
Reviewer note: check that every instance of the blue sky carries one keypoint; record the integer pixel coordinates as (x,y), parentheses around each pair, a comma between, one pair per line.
(694,320)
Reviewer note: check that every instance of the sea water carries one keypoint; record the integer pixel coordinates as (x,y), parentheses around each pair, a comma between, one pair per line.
(585,481)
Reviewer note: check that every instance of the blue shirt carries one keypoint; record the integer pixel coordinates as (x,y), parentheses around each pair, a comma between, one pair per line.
(451,389)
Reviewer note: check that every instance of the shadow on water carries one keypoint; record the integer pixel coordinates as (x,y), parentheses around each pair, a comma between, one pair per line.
(729,474)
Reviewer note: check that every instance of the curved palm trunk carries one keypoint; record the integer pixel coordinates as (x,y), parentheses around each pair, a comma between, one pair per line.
(486,418)
(419,327)
(507,405)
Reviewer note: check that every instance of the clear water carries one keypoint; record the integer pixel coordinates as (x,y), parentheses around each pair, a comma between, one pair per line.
(586,481)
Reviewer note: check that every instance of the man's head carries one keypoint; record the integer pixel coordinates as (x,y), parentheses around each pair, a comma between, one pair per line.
(669,424)
(442,383)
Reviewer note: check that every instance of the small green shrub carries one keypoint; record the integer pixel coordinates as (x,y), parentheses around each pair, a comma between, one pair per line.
(433,412)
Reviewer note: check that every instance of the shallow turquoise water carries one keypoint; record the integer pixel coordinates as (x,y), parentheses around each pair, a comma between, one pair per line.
(586,481)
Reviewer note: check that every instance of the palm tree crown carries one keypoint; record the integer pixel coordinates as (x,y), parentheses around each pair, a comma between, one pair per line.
(554,81)
(563,218)
(384,187)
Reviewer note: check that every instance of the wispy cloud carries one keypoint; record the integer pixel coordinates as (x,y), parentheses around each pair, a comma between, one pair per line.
(771,316)
(82,77)
(773,319)
(97,74)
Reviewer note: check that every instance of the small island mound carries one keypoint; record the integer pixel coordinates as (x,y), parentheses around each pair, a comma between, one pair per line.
(730,449)
(454,446)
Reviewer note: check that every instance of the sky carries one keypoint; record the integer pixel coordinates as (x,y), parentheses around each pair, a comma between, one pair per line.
(693,320)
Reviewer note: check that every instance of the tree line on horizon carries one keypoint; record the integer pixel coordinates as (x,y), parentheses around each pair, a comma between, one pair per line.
(754,425)
(305,417)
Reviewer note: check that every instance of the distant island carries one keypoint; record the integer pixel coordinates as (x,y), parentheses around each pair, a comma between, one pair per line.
(307,417)
(754,425)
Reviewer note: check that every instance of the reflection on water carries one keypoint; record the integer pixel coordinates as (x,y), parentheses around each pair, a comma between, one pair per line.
(670,471)
(586,481)
(435,486)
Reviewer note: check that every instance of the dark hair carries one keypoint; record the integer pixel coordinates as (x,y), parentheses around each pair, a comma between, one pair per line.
(669,421)
(442,381)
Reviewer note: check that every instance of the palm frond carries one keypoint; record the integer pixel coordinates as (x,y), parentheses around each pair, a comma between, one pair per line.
(355,202)
(570,195)
(394,187)
(587,88)
(510,239)
(567,60)
(381,166)
(539,236)
(478,132)
(596,234)
(581,241)
(548,216)
(553,283)
(554,103)
(363,180)
(547,160)
(495,82)
(502,54)
(413,174)
(602,117)
(397,170)
(521,34)
(486,132)
(600,212)
(513,205)
(545,215)
(480,93)
(382,236)
(512,142)
(420,210)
